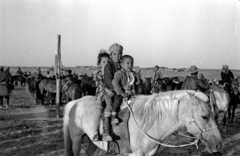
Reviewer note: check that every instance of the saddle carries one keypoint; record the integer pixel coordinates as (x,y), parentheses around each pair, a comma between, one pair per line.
(120,132)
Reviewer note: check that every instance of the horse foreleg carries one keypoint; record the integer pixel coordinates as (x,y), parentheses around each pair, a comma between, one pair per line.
(233,112)
(229,113)
(224,122)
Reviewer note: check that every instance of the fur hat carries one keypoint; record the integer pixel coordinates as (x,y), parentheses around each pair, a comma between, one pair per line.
(102,51)
(193,69)
(115,47)
(225,67)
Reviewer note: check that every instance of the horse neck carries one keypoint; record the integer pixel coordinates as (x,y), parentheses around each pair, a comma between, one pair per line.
(168,128)
(171,125)
(222,98)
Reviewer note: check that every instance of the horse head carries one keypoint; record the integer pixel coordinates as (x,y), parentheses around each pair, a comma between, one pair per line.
(148,85)
(200,121)
(159,86)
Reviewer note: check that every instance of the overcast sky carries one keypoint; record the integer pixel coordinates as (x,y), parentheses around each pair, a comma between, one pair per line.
(168,33)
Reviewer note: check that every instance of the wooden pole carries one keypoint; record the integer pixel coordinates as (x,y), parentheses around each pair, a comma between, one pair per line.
(58,101)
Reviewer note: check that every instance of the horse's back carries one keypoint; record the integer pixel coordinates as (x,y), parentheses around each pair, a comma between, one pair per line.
(82,107)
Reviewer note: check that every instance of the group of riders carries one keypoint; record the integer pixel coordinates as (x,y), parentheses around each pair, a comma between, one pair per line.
(116,81)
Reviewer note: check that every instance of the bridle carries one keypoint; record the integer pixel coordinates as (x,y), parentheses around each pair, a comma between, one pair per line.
(202,130)
(195,142)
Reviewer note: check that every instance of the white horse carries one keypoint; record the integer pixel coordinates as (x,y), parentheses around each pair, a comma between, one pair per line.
(153,117)
(219,101)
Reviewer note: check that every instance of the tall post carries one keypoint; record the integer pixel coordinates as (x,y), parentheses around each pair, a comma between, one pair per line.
(58,101)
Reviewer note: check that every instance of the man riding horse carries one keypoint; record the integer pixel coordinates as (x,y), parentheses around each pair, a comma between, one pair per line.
(227,77)
(193,83)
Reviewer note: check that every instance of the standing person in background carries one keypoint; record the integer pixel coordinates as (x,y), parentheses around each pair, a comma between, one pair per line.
(39,70)
(139,75)
(19,71)
(39,75)
(8,71)
(156,75)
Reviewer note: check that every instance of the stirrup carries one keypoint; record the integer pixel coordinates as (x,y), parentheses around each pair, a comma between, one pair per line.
(106,138)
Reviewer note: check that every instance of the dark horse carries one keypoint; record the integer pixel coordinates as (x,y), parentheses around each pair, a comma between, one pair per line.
(19,78)
(88,85)
(48,86)
(166,84)
(234,94)
(234,101)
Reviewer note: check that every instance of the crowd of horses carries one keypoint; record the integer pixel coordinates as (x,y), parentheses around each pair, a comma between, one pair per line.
(43,89)
(222,97)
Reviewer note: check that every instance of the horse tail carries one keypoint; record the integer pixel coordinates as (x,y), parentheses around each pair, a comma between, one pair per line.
(67,138)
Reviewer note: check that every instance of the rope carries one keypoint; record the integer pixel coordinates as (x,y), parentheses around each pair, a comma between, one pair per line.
(159,141)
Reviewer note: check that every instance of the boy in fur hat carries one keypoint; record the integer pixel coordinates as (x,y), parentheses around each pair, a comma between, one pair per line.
(112,100)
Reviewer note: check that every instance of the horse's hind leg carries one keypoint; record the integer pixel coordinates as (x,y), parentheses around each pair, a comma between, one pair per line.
(76,144)
(224,122)
(91,148)
(7,98)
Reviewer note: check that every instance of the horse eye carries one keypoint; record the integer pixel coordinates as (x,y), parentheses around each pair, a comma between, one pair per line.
(205,117)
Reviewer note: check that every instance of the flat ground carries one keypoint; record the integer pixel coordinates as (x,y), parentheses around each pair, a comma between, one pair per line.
(29,129)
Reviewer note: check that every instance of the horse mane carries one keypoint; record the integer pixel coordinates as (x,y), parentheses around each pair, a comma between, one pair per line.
(162,106)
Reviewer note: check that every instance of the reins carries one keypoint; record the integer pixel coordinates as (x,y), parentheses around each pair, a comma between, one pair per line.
(195,142)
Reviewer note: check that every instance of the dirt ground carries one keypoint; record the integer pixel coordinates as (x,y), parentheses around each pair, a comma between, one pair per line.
(29,129)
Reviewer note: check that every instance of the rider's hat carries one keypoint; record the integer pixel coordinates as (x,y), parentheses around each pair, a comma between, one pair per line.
(193,69)
(225,67)
(103,51)
(115,47)
(156,66)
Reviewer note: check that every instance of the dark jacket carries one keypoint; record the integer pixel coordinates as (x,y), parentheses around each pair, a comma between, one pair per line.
(193,83)
(109,70)
(19,72)
(120,82)
(227,78)
(69,77)
(4,77)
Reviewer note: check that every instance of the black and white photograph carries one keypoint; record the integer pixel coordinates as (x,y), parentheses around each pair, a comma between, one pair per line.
(119,78)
